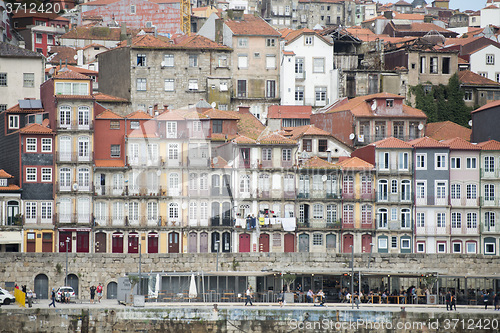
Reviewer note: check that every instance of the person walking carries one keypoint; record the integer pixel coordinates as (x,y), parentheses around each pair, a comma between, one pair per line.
(29,296)
(92,294)
(485,299)
(453,303)
(448,300)
(248,294)
(99,292)
(53,298)
(495,302)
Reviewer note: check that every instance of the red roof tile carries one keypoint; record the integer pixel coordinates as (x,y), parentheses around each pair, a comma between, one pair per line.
(489,145)
(249,126)
(289,112)
(101,97)
(354,163)
(4,174)
(35,129)
(10,187)
(222,137)
(220,114)
(219,162)
(275,139)
(392,142)
(244,140)
(17,109)
(108,114)
(460,144)
(170,115)
(251,26)
(199,42)
(75,69)
(472,78)
(70,75)
(317,163)
(427,142)
(139,115)
(487,106)
(298,132)
(109,163)
(64,54)
(447,130)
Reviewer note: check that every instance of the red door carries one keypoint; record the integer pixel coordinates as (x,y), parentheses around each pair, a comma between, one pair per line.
(82,241)
(47,242)
(347,243)
(100,242)
(63,236)
(117,245)
(264,243)
(173,242)
(366,240)
(244,243)
(133,243)
(31,243)
(289,243)
(153,243)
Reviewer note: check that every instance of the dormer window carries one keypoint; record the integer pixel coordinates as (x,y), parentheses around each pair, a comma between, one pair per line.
(72,88)
(3,182)
(389,103)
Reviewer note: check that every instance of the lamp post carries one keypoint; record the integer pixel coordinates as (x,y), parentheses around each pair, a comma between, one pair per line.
(370,257)
(140,272)
(66,277)
(217,246)
(352,276)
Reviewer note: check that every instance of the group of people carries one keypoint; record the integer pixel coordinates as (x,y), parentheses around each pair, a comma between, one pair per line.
(93,291)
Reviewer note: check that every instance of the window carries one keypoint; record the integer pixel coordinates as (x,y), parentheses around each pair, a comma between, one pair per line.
(489,248)
(441,190)
(389,103)
(471,163)
(394,214)
(46,175)
(471,191)
(173,151)
(299,66)
(270,42)
(168,60)
(471,247)
(318,211)
(115,150)
(46,210)
(489,192)
(433,66)
(403,161)
(193,84)
(242,88)
(30,210)
(286,154)
(169,84)
(83,115)
(173,211)
(28,80)
(266,154)
(3,107)
(468,95)
(242,61)
(3,79)
(13,122)
(152,211)
(420,193)
(420,220)
(270,88)
(331,213)
(141,60)
(197,126)
(69,88)
(307,145)
(83,147)
(299,93)
(39,38)
(394,242)
(366,214)
(471,220)
(455,163)
(245,184)
(382,218)
(483,74)
(132,9)
(31,144)
(135,124)
(490,59)
(320,93)
(83,177)
(242,42)
(405,244)
(441,162)
(31,174)
(383,161)
(322,145)
(46,145)
(318,65)
(445,65)
(270,61)
(456,220)
(420,247)
(317,239)
(308,40)
(193,60)
(382,190)
(489,220)
(217,126)
(141,84)
(489,164)
(222,60)
(441,247)
(349,214)
(394,186)
(405,190)
(114,124)
(441,220)
(382,243)
(457,247)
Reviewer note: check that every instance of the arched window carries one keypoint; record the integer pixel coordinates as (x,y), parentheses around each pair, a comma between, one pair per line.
(382,217)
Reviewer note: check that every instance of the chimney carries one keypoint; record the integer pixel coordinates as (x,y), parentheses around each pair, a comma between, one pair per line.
(123,31)
(219,34)
(243,109)
(388,14)
(79,60)
(165,107)
(329,156)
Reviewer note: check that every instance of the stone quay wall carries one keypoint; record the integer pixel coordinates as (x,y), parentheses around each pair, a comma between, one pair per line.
(22,268)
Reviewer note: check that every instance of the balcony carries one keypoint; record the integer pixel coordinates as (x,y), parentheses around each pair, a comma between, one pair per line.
(303,195)
(300,76)
(144,162)
(75,126)
(464,202)
(72,157)
(489,202)
(83,218)
(490,174)
(198,162)
(73,187)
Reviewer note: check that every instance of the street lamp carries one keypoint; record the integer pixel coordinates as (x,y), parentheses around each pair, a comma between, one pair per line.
(370,257)
(140,272)
(352,276)
(217,246)
(66,277)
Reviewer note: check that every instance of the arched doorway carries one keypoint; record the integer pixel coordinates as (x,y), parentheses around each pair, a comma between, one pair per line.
(366,241)
(173,242)
(244,242)
(112,290)
(73,283)
(348,243)
(42,286)
(264,243)
(289,243)
(192,242)
(303,243)
(152,242)
(133,242)
(100,242)
(203,242)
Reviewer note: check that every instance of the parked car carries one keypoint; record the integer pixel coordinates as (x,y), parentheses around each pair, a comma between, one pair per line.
(62,293)
(6,298)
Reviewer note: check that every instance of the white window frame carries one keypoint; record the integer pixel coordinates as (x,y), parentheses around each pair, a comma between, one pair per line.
(46,145)
(455,163)
(441,161)
(421,161)
(141,84)
(13,121)
(46,175)
(28,80)
(405,244)
(31,175)
(31,145)
(383,243)
(169,84)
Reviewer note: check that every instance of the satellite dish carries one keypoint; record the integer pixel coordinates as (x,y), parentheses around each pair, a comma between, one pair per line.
(374,105)
(216,160)
(420,127)
(51,71)
(352,136)
(324,178)
(470,123)
(213,105)
(75,57)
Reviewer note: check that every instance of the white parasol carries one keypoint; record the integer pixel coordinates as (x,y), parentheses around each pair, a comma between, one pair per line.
(193,293)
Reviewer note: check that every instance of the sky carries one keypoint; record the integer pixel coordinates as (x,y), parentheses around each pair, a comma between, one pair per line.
(454,4)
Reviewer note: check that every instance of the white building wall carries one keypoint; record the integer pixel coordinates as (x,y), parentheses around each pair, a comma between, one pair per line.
(478,62)
(490,16)
(15,90)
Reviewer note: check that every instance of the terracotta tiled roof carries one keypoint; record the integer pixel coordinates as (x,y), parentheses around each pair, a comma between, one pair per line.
(288,53)
(298,132)
(101,97)
(423,27)
(285,31)
(74,96)
(139,115)
(241,139)
(289,112)
(462,61)
(64,54)
(354,163)
(35,129)
(70,75)
(222,137)
(292,34)
(427,142)
(148,132)
(410,17)
(221,163)
(317,163)
(109,163)
(17,109)
(10,187)
(491,7)
(251,26)
(97,33)
(249,126)
(9,50)
(220,114)
(275,139)
(446,130)
(460,41)
(199,42)
(471,78)
(392,142)
(487,106)
(94,45)
(194,115)
(4,174)
(108,114)
(402,3)
(460,144)
(75,69)
(489,145)
(171,115)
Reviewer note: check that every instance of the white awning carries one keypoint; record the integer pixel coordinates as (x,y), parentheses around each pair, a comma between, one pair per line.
(11,237)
